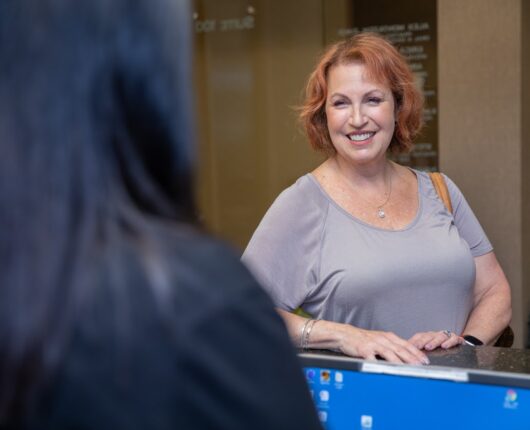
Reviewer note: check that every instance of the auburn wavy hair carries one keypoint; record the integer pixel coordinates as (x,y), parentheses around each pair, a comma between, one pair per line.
(384,64)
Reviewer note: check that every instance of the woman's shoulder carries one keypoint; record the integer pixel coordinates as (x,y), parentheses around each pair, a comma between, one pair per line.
(305,193)
(427,188)
(289,235)
(298,210)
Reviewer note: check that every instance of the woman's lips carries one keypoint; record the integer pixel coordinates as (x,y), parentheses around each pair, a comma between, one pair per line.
(361,138)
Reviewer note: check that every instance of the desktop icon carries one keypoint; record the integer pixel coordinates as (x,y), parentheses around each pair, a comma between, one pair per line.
(324,395)
(366,422)
(325,376)
(510,399)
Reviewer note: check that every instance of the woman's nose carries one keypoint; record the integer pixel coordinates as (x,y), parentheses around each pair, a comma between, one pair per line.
(357,117)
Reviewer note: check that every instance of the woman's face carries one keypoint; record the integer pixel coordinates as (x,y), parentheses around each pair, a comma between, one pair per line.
(360,115)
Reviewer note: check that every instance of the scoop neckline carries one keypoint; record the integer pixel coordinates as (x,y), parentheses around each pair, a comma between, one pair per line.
(409,226)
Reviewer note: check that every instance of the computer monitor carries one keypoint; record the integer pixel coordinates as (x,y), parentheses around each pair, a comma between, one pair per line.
(353,394)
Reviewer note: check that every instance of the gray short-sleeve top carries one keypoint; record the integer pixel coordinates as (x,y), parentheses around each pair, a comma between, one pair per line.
(308,252)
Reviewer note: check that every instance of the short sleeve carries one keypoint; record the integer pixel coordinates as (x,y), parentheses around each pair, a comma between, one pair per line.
(467,223)
(284,251)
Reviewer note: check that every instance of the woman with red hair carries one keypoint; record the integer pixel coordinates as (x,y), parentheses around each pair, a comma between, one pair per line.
(365,245)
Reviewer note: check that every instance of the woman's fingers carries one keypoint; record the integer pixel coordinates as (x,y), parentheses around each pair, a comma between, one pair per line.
(452,341)
(372,344)
(406,351)
(392,357)
(419,340)
(433,339)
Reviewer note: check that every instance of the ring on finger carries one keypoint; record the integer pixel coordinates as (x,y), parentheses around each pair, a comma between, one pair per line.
(448,333)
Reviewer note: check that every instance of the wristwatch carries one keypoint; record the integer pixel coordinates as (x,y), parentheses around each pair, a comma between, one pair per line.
(472,340)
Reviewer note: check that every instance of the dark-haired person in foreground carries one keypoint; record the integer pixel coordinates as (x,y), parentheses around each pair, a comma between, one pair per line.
(116,311)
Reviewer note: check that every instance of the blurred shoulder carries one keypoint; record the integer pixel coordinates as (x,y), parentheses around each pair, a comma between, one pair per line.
(200,258)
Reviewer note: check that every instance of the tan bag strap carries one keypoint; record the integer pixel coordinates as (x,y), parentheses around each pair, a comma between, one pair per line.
(441,189)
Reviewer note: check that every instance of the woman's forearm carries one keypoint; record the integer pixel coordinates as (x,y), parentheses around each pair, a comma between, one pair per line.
(492,309)
(490,316)
(350,340)
(323,335)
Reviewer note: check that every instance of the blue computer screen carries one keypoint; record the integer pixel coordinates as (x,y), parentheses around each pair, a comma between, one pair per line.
(347,399)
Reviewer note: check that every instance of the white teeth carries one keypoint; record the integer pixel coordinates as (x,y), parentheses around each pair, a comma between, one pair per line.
(360,137)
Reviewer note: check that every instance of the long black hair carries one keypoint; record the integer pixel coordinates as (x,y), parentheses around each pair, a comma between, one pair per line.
(96,140)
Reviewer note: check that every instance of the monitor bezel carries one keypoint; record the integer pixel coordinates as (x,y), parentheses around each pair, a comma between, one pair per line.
(455,374)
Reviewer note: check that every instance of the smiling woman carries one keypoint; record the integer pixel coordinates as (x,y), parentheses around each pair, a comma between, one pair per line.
(365,245)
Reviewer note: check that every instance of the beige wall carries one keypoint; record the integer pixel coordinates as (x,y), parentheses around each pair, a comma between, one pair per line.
(480,112)
(525,159)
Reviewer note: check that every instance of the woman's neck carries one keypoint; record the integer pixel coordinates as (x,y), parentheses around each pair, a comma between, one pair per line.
(372,174)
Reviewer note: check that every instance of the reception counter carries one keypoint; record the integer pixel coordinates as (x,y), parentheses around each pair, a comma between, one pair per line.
(483,358)
(463,357)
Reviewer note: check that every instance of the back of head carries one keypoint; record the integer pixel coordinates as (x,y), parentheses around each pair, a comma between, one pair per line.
(95,134)
(88,86)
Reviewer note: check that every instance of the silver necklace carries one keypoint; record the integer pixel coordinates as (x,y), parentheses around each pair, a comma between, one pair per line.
(380,211)
(380,208)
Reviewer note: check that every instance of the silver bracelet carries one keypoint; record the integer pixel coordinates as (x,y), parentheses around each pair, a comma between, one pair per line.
(303,333)
(307,333)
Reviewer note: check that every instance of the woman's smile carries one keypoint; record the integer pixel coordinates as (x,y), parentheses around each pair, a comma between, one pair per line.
(361,137)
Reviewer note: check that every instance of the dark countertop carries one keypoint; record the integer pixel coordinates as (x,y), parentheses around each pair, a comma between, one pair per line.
(468,357)
(483,358)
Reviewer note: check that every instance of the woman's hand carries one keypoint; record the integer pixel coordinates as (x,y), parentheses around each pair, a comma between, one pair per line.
(371,344)
(433,339)
(353,341)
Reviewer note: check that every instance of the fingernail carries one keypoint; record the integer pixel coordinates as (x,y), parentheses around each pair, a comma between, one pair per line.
(425,361)
(428,346)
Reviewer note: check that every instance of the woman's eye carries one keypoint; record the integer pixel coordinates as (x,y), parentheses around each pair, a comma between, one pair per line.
(374,100)
(338,103)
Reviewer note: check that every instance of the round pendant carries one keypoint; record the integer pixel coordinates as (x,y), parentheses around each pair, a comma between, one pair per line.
(381,213)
